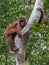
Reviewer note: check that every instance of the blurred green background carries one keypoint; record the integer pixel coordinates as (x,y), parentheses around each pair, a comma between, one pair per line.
(37,50)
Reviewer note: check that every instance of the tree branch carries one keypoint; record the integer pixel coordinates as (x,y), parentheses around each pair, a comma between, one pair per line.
(35,15)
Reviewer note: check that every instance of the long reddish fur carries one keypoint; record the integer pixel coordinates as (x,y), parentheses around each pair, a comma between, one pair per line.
(10,30)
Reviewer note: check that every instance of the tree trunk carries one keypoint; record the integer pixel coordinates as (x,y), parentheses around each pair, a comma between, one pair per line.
(20,42)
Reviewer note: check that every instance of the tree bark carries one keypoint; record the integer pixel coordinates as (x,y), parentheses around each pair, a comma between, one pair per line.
(20,42)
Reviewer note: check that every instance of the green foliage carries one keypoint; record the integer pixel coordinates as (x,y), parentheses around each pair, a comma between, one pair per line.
(37,50)
(38,46)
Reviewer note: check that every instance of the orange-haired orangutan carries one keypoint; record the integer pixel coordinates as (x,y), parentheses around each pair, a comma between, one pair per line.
(13,30)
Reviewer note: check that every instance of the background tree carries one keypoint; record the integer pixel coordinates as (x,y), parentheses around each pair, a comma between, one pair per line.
(37,54)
